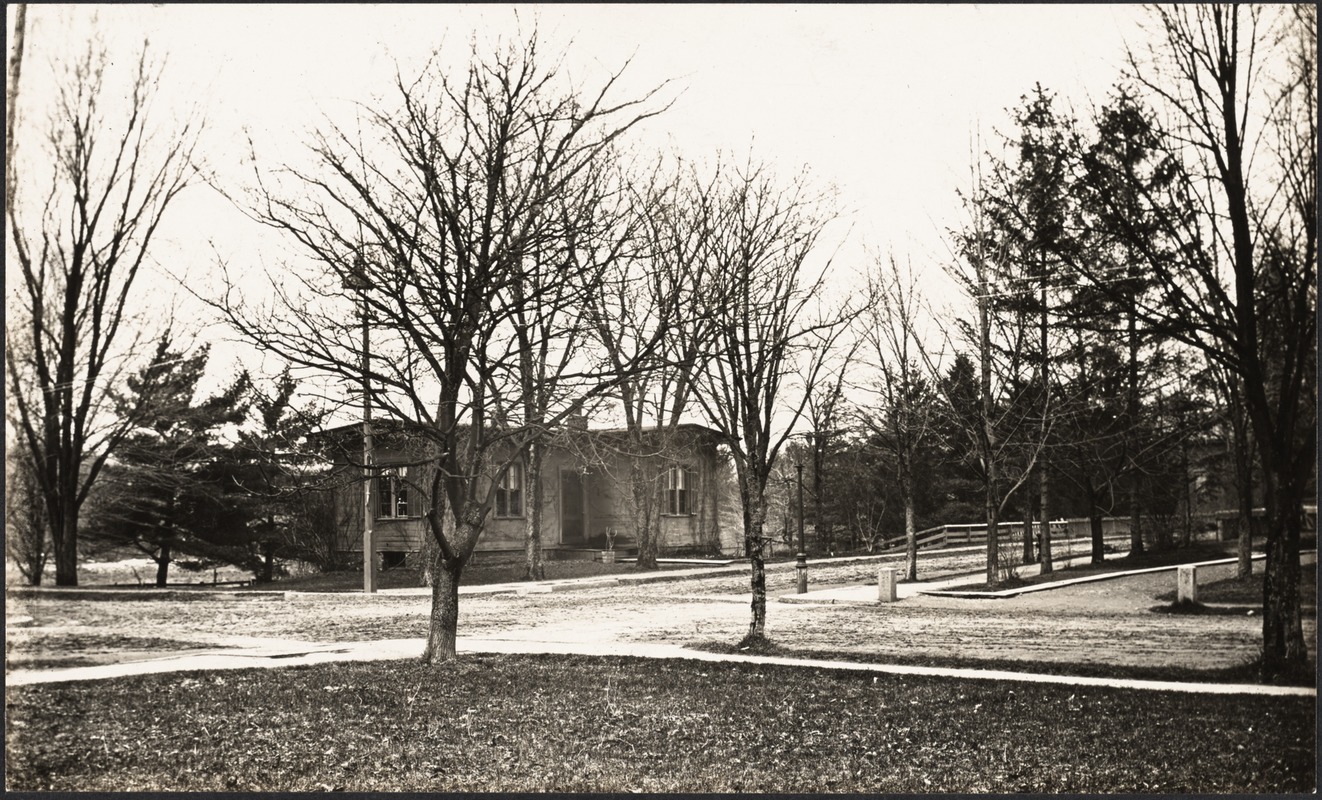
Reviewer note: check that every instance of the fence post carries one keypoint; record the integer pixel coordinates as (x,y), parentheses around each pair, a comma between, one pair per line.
(886,580)
(1186,584)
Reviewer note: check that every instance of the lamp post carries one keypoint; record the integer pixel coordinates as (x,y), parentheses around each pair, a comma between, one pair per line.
(357,281)
(801,564)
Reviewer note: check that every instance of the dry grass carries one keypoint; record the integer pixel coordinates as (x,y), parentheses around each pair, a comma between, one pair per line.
(529,723)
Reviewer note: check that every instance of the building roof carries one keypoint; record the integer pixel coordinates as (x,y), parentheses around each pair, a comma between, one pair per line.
(392,425)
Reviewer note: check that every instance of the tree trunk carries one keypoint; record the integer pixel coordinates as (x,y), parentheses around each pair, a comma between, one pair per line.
(1098,542)
(1284,655)
(1243,490)
(987,435)
(64,539)
(1186,532)
(755,519)
(163,565)
(818,457)
(910,539)
(993,531)
(443,626)
(1030,554)
(34,555)
(1135,517)
(1244,559)
(1044,463)
(268,563)
(1131,410)
(1044,552)
(453,555)
(534,564)
(910,532)
(1095,522)
(644,489)
(757,626)
(1044,511)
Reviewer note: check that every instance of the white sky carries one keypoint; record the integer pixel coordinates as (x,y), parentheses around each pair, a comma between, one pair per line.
(882,101)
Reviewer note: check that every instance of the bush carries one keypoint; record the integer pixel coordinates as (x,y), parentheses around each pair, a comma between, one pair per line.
(27,541)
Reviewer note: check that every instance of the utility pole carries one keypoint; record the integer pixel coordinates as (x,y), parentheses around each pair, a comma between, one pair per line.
(357,280)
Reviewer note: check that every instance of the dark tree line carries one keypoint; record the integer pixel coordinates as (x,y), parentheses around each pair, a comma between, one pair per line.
(1140,298)
(216,478)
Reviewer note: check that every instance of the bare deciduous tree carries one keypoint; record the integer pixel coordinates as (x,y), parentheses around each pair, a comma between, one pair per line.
(769,325)
(553,301)
(71,337)
(989,410)
(652,296)
(1213,68)
(27,539)
(903,416)
(826,413)
(437,211)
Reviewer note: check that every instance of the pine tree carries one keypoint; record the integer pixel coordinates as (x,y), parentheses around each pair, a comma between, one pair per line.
(278,477)
(168,490)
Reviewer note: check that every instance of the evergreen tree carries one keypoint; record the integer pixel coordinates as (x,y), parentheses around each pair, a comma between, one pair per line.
(1130,194)
(170,489)
(1031,209)
(280,481)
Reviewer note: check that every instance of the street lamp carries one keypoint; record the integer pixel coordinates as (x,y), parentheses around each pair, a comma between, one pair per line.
(356,280)
(801,564)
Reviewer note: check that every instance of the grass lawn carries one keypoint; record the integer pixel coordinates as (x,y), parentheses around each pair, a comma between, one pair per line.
(1247,592)
(516,723)
(1248,671)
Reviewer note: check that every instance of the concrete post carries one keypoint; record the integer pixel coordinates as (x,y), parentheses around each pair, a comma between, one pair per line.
(1186,584)
(886,580)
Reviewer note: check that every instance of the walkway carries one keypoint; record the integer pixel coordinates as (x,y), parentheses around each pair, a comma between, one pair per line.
(277,653)
(249,652)
(739,568)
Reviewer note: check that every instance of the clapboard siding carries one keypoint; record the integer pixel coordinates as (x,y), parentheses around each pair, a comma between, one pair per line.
(711,526)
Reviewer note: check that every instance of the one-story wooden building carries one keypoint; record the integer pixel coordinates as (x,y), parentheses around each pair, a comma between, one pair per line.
(586,491)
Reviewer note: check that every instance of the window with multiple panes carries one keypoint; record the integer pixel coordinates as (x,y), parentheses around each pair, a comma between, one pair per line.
(509,492)
(392,493)
(679,491)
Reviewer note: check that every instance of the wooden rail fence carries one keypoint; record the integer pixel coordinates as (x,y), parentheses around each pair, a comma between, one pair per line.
(1064,529)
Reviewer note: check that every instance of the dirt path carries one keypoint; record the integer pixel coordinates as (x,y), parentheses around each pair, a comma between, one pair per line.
(1104,623)
(1108,622)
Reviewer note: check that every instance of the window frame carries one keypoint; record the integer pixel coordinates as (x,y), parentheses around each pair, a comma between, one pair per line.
(678,498)
(392,485)
(503,493)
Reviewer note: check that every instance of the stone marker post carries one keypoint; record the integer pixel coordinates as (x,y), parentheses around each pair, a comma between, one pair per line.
(886,580)
(1186,589)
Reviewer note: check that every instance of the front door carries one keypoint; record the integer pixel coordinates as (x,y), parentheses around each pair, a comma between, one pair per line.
(573,517)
